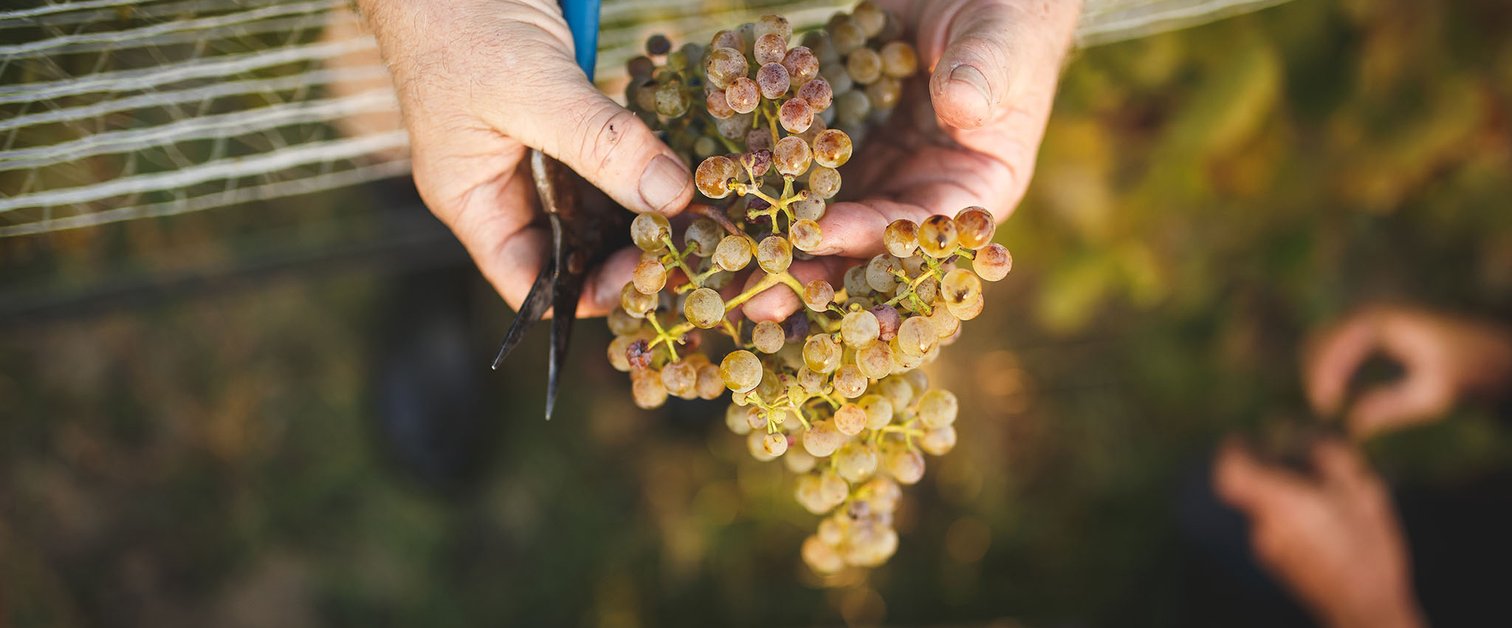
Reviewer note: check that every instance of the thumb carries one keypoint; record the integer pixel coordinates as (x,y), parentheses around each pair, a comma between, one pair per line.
(1415,398)
(993,54)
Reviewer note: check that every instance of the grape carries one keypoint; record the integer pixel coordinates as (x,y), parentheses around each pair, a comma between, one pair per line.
(822,439)
(851,108)
(774,254)
(639,354)
(899,60)
(640,68)
(743,95)
(992,262)
(870,18)
(816,126)
(798,461)
(916,336)
(717,106)
(646,389)
(734,127)
(872,547)
(945,324)
(710,385)
(671,99)
(791,156)
(832,148)
(850,382)
(733,253)
(704,308)
(901,238)
(774,25)
(680,378)
(640,94)
(705,147)
(839,80)
(650,232)
(879,411)
(769,48)
(879,273)
(938,408)
(962,293)
(834,487)
(809,208)
(818,92)
(802,66)
(768,337)
(974,226)
(635,302)
(855,282)
(896,390)
(658,45)
(773,80)
(809,380)
(850,419)
(726,39)
(875,360)
(818,294)
(796,328)
(617,349)
(859,328)
(713,178)
(884,93)
(774,444)
(795,115)
(824,182)
(905,465)
(735,417)
(759,140)
(864,65)
(810,494)
(846,35)
(821,558)
(856,461)
(723,65)
(622,323)
(937,236)
(821,354)
(758,161)
(741,370)
(805,234)
(887,321)
(649,276)
(756,445)
(702,236)
(939,441)
(927,289)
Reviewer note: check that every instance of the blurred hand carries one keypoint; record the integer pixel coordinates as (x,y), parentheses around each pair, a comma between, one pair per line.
(1333,540)
(1444,358)
(482,81)
(969,138)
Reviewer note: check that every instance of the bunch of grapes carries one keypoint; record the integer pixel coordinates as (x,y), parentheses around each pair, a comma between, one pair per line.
(834,390)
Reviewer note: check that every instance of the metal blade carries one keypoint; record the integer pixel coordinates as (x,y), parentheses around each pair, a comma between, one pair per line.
(535,306)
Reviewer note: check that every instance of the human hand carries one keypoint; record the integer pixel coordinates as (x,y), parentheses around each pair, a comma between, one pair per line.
(1333,540)
(970,137)
(482,81)
(1444,357)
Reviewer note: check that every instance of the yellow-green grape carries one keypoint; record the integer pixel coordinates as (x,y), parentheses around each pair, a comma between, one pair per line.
(769,49)
(773,80)
(885,93)
(945,324)
(775,444)
(743,95)
(649,276)
(904,464)
(821,354)
(756,445)
(733,253)
(646,389)
(937,237)
(710,385)
(791,156)
(878,409)
(621,323)
(938,408)
(795,115)
(870,546)
(774,25)
(992,262)
(651,232)
(803,67)
(810,380)
(879,273)
(736,417)
(717,105)
(806,235)
(833,70)
(824,182)
(725,39)
(832,529)
(809,493)
(736,126)
(870,18)
(741,370)
(875,360)
(856,461)
(927,289)
(938,441)
(617,349)
(859,328)
(850,419)
(974,227)
(962,293)
(818,92)
(846,35)
(774,254)
(723,65)
(770,388)
(718,280)
(703,235)
(680,379)
(902,362)
(672,99)
(822,439)
(635,302)
(704,308)
(832,148)
(882,493)
(818,294)
(899,59)
(809,208)
(864,65)
(768,337)
(823,558)
(898,391)
(713,177)
(901,237)
(855,282)
(916,336)
(705,147)
(798,461)
(852,107)
(850,382)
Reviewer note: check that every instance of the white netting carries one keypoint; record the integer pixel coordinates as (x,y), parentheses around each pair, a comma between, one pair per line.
(113,110)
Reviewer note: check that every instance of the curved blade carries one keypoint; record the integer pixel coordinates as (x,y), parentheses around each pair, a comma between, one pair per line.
(535,306)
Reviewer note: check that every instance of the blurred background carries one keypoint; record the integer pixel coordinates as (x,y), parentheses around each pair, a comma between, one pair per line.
(219,418)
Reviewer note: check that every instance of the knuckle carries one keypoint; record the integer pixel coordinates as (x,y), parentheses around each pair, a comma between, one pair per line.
(611,134)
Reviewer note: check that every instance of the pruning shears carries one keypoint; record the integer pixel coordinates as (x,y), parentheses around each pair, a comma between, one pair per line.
(575,239)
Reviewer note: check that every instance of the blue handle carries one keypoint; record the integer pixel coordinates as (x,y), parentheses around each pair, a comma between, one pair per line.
(583,20)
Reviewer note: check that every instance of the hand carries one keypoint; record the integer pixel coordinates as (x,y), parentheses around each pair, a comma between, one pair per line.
(482,81)
(1334,540)
(1444,357)
(969,138)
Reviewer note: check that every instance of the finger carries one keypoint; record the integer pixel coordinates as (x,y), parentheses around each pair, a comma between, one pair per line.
(1333,360)
(1340,466)
(1414,398)
(778,303)
(1248,485)
(854,229)
(601,291)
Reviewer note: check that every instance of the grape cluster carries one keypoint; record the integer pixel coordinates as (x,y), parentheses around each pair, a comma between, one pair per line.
(834,390)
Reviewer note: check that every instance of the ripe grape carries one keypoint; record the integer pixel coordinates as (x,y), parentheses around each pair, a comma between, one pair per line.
(897,390)
(879,411)
(864,65)
(773,80)
(818,92)
(705,147)
(870,18)
(859,328)
(938,408)
(938,441)
(798,461)
(875,360)
(856,461)
(992,262)
(888,320)
(770,48)
(713,178)
(758,161)
(805,234)
(726,39)
(884,93)
(775,444)
(723,65)
(852,107)
(879,273)
(904,465)
(916,336)
(937,236)
(791,156)
(945,324)
(768,336)
(704,308)
(617,349)
(658,45)
(756,445)
(649,275)
(718,107)
(774,25)
(899,59)
(710,385)
(834,72)
(635,302)
(702,236)
(733,253)
(850,382)
(810,494)
(741,371)
(850,419)
(824,182)
(734,127)
(774,254)
(974,226)
(680,378)
(743,95)
(822,439)
(672,99)
(802,67)
(901,238)
(796,115)
(821,557)
(622,323)
(646,389)
(962,293)
(818,294)
(832,148)
(846,35)
(650,232)
(736,417)
(809,208)
(640,67)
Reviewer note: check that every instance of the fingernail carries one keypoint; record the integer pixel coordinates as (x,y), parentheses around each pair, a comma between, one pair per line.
(969,75)
(662,182)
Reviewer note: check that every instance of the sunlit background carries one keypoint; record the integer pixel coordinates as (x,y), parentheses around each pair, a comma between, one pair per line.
(203,419)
